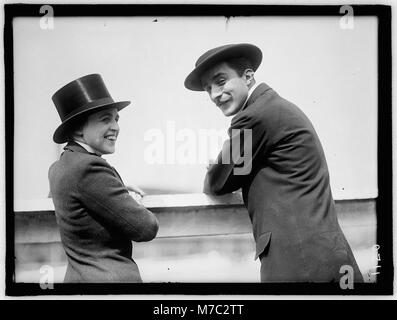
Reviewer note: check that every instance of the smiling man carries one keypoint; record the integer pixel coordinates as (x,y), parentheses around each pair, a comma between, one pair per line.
(227,87)
(287,189)
(96,215)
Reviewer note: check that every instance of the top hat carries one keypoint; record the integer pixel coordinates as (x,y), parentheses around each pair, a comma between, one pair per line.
(219,54)
(86,94)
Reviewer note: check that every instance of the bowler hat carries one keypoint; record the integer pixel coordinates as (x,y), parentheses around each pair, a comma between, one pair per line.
(83,95)
(219,54)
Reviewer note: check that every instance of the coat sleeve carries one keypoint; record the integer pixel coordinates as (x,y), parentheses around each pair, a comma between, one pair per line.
(248,142)
(109,202)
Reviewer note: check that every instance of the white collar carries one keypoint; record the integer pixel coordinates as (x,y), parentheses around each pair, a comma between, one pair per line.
(250,92)
(86,146)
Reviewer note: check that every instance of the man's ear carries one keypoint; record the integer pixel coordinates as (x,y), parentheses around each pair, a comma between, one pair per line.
(249,76)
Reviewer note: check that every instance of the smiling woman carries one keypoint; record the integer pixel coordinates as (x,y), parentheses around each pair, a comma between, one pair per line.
(100,131)
(96,215)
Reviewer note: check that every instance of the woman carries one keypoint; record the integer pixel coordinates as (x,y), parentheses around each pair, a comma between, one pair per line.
(96,215)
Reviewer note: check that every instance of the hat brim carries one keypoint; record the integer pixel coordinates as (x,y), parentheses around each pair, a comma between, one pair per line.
(60,134)
(249,51)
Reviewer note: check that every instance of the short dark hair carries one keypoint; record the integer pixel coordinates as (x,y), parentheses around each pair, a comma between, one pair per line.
(75,125)
(239,65)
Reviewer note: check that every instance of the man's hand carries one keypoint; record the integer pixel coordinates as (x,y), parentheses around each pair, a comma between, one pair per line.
(137,197)
(136,189)
(136,192)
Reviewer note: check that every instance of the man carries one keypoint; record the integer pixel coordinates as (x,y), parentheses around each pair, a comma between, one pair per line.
(96,215)
(286,186)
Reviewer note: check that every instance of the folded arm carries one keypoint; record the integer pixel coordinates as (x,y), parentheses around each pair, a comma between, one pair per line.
(109,201)
(247,137)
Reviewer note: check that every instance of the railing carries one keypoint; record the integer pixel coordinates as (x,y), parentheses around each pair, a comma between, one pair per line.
(194,229)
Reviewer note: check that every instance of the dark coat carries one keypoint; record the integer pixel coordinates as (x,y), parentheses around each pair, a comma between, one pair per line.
(287,192)
(97,218)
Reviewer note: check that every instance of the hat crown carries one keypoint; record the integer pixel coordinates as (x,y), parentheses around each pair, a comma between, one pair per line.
(210,52)
(79,93)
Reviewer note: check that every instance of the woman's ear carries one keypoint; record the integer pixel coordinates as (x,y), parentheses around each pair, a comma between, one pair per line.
(76,131)
(79,131)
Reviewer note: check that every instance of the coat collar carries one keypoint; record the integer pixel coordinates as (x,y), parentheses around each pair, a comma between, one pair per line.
(75,147)
(259,91)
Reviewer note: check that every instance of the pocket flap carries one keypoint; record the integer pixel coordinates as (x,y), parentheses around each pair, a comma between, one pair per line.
(262,243)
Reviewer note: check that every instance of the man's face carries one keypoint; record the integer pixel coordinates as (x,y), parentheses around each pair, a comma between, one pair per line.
(226,88)
(101,130)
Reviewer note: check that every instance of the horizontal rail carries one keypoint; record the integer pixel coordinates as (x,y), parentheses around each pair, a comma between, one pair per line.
(163,201)
(184,215)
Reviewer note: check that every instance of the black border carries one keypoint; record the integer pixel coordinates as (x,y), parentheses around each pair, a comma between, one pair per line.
(384,285)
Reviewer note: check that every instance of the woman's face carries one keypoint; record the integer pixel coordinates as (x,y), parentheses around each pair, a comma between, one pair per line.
(100,131)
